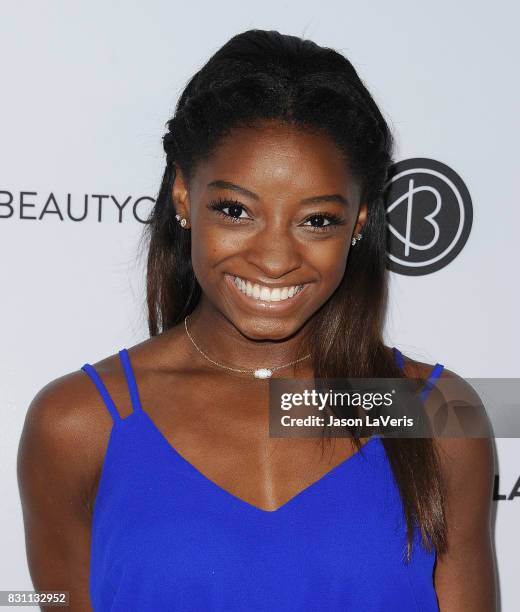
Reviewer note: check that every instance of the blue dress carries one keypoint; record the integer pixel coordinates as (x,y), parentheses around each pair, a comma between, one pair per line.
(166,537)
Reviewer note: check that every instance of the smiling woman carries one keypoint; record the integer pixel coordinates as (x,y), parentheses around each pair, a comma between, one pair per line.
(266,258)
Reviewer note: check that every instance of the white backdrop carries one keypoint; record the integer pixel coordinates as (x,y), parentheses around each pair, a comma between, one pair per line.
(86,90)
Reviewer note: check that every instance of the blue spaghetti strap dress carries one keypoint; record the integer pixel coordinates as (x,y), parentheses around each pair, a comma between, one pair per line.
(167,538)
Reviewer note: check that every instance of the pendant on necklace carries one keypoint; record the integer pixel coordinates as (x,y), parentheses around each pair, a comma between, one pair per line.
(263,373)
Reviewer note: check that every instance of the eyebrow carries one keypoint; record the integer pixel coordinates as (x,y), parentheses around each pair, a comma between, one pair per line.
(333,197)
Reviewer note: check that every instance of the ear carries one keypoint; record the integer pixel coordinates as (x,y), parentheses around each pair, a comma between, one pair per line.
(361,218)
(180,194)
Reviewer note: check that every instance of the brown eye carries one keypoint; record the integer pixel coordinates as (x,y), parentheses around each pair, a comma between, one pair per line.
(323,222)
(234,207)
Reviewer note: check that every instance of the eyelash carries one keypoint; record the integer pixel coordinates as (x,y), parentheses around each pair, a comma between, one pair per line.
(220,204)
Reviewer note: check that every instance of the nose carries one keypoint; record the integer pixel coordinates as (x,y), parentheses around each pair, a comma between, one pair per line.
(274,252)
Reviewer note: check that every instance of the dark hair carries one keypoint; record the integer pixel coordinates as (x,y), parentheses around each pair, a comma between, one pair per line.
(264,75)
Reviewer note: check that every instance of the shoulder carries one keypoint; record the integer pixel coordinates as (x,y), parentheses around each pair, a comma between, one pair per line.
(70,408)
(463,435)
(67,425)
(65,433)
(465,443)
(464,440)
(465,572)
(420,369)
(69,403)
(453,406)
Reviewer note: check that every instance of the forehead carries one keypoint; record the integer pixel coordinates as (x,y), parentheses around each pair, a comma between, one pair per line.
(275,156)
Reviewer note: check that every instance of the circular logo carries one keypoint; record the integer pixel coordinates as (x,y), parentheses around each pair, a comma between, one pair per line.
(429,216)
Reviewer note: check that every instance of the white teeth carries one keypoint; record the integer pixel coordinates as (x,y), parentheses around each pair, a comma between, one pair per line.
(260,292)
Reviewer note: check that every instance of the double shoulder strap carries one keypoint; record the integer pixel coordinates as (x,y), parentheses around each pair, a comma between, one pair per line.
(130,380)
(134,392)
(434,374)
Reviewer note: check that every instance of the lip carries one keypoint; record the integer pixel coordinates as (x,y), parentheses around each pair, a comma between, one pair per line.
(261,305)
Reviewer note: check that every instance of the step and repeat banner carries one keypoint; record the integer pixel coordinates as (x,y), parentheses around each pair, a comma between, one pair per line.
(86,90)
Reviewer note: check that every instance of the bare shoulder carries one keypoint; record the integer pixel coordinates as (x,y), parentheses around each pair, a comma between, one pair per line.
(466,447)
(60,455)
(68,422)
(61,452)
(65,433)
(69,414)
(464,440)
(458,416)
(465,575)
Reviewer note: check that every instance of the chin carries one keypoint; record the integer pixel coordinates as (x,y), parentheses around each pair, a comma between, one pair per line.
(266,328)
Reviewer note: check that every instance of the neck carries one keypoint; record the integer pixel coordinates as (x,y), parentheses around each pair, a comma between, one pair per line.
(221,340)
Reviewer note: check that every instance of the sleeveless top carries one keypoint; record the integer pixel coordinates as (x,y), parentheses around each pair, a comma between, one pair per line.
(166,537)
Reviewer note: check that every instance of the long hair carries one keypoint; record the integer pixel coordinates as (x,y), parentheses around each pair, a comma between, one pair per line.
(260,75)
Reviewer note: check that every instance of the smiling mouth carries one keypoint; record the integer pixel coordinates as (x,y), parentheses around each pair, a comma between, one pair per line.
(262,293)
(261,296)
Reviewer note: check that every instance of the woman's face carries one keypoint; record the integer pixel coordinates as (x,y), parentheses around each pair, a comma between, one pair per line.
(272,213)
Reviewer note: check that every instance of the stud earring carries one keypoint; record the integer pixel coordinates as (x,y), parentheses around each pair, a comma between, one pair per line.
(356,238)
(182,220)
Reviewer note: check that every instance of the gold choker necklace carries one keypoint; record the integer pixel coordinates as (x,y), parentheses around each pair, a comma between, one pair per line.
(256,372)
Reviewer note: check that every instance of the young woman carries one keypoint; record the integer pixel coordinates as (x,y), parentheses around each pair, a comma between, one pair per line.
(149,480)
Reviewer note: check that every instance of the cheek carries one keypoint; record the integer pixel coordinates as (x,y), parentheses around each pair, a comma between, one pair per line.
(329,259)
(208,249)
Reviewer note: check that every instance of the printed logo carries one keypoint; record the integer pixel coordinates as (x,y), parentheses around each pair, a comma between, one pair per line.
(31,206)
(429,216)
(508,495)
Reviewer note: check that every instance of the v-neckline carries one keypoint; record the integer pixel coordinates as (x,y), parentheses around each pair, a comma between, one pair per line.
(239,500)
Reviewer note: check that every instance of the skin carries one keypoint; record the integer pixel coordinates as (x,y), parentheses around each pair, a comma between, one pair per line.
(67,426)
